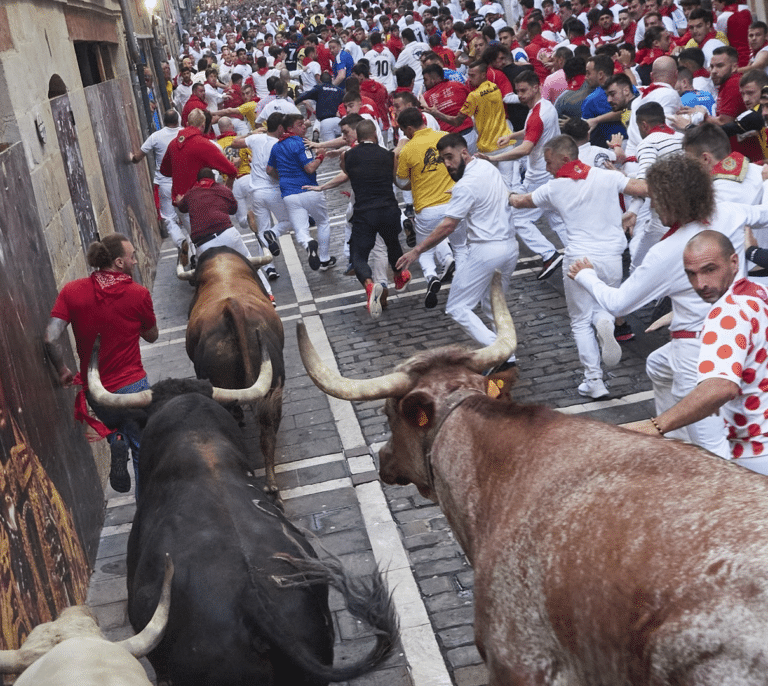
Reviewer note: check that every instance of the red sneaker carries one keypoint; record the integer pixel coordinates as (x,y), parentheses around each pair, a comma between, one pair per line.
(373,292)
(401,279)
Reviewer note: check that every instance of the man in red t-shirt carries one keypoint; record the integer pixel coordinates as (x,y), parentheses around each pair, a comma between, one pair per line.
(109,303)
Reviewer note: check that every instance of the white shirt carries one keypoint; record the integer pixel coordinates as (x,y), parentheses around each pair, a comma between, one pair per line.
(653,146)
(282,105)
(260,145)
(748,191)
(661,272)
(243,69)
(709,48)
(590,210)
(545,111)
(666,22)
(480,197)
(157,144)
(212,97)
(308,74)
(355,50)
(410,57)
(595,156)
(181,95)
(667,97)
(382,68)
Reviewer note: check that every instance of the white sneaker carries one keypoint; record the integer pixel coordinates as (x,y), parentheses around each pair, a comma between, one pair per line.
(610,350)
(593,388)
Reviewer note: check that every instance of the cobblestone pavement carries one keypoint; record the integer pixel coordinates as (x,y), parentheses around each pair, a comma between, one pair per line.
(325,448)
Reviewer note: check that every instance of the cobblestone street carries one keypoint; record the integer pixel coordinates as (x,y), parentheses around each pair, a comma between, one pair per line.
(327,448)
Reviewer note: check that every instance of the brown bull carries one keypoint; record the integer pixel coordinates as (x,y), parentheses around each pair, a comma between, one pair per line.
(231,320)
(601,557)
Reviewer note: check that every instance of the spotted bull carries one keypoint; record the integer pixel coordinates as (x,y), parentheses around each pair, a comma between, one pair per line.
(241,615)
(601,557)
(231,323)
(72,649)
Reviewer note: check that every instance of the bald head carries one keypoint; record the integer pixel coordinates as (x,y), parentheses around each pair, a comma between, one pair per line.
(664,70)
(196,118)
(225,124)
(711,264)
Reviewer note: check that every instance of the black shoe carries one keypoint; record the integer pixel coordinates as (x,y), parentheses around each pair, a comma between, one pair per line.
(330,263)
(550,265)
(272,274)
(448,273)
(623,332)
(313,260)
(499,368)
(272,244)
(410,234)
(409,211)
(350,271)
(433,286)
(119,478)
(312,221)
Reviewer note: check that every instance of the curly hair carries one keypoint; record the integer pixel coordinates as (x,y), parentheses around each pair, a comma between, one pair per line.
(681,189)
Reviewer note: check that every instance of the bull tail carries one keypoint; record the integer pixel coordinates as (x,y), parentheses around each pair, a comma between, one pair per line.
(367,599)
(233,311)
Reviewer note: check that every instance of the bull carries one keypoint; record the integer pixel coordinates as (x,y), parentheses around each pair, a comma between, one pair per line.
(241,615)
(601,557)
(72,649)
(232,323)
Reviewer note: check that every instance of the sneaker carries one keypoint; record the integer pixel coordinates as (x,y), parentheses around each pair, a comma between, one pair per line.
(401,279)
(610,350)
(447,274)
(272,244)
(410,233)
(433,286)
(119,478)
(384,296)
(184,254)
(623,332)
(272,274)
(313,260)
(330,263)
(499,368)
(550,265)
(373,293)
(272,300)
(312,221)
(350,270)
(409,211)
(593,388)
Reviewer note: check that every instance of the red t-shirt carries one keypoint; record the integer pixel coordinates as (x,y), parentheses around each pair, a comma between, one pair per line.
(729,100)
(449,97)
(120,312)
(500,79)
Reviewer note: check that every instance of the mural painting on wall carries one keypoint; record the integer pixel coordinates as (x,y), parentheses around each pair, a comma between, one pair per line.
(130,193)
(51,501)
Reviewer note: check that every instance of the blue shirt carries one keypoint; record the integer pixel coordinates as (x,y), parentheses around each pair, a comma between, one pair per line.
(289,157)
(595,104)
(343,61)
(453,75)
(693,98)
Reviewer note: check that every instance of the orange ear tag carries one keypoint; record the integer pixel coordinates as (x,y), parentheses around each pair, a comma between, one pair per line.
(493,390)
(422,418)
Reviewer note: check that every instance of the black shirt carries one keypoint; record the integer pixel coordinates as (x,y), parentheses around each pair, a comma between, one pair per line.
(370,169)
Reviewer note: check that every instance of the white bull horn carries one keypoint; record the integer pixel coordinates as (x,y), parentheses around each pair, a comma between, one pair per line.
(102,396)
(255,392)
(184,274)
(332,383)
(148,638)
(260,261)
(506,338)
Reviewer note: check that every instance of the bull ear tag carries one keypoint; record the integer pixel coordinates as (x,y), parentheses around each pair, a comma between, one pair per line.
(417,408)
(493,390)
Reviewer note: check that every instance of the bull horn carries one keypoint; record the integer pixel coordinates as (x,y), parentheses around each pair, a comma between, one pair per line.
(102,396)
(260,261)
(184,274)
(506,338)
(147,640)
(331,382)
(255,392)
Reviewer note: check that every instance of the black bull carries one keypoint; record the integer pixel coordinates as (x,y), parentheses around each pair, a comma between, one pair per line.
(234,620)
(231,321)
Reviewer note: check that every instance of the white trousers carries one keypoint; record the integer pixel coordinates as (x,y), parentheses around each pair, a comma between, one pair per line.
(266,203)
(524,219)
(645,238)
(300,207)
(471,139)
(329,129)
(441,254)
(472,285)
(584,311)
(169,213)
(673,372)
(230,238)
(241,189)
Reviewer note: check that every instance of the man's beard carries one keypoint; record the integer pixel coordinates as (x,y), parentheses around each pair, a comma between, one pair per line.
(456,174)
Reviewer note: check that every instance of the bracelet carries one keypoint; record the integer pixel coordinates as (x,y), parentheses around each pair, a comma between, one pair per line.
(656,425)
(750,252)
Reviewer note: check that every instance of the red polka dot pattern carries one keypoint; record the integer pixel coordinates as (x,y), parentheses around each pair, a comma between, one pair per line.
(748,375)
(736,367)
(709,338)
(738,450)
(724,352)
(728,323)
(757,448)
(752,402)
(741,341)
(706,366)
(715,312)
(753,305)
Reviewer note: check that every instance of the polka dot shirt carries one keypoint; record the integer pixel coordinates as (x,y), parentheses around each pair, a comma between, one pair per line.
(734,346)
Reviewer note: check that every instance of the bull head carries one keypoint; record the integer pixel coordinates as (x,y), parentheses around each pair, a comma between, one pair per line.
(256,261)
(144,398)
(398,383)
(16,661)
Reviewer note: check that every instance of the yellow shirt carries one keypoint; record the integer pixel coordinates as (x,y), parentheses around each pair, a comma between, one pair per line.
(248,110)
(240,157)
(486,105)
(420,163)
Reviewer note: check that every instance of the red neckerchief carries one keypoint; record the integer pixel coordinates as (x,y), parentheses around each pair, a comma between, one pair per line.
(575,170)
(263,71)
(731,8)
(653,55)
(672,230)
(747,287)
(653,87)
(576,82)
(379,47)
(712,34)
(286,136)
(614,28)
(205,183)
(226,134)
(662,128)
(701,72)
(82,415)
(106,283)
(666,11)
(580,40)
